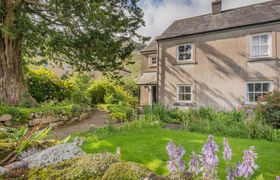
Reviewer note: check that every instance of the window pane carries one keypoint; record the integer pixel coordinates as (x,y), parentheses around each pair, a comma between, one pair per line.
(257,96)
(188,97)
(258,87)
(263,50)
(255,40)
(251,97)
(187,89)
(264,39)
(182,57)
(181,97)
(181,49)
(250,87)
(266,87)
(181,89)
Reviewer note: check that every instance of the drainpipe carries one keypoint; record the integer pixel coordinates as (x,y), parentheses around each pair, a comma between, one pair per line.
(158,72)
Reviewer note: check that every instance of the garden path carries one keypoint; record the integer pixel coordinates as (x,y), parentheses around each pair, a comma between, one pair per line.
(97,120)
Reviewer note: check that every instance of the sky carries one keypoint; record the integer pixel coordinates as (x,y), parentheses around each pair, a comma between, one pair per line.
(159,14)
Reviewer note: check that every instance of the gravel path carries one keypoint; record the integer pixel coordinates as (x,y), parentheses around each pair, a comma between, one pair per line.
(97,120)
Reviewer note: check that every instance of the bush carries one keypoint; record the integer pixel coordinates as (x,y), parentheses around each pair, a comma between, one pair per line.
(44,85)
(126,171)
(104,91)
(117,113)
(81,83)
(270,109)
(91,166)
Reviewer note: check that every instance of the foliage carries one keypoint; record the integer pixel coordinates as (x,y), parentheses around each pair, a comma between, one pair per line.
(44,85)
(81,83)
(105,91)
(270,109)
(209,121)
(117,113)
(125,171)
(21,114)
(90,166)
(147,146)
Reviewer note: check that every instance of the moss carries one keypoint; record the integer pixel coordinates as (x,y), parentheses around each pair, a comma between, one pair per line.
(126,171)
(91,166)
(6,149)
(180,176)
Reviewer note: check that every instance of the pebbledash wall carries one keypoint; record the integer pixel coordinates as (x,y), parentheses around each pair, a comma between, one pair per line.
(51,119)
(220,68)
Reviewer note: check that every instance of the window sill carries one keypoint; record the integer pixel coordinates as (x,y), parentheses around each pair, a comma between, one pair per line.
(152,66)
(185,62)
(263,59)
(185,104)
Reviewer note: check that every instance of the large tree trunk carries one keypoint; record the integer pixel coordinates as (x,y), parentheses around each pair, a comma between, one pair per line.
(11,76)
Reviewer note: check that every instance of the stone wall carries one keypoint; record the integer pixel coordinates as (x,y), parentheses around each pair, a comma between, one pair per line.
(50,119)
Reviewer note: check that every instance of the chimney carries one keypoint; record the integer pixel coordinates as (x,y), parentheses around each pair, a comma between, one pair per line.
(216,6)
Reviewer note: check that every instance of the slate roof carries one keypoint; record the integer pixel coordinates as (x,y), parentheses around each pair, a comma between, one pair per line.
(234,18)
(149,78)
(151,47)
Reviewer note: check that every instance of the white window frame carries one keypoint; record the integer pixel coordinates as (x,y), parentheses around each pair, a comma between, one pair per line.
(150,60)
(255,82)
(177,52)
(177,93)
(269,45)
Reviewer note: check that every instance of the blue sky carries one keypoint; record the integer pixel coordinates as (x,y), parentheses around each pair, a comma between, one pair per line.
(159,14)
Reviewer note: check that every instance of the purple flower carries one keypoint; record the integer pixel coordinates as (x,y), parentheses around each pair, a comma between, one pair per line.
(176,154)
(194,164)
(209,158)
(247,167)
(227,154)
(230,173)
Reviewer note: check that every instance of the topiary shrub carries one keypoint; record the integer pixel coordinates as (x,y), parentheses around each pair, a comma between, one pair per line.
(44,85)
(90,166)
(126,171)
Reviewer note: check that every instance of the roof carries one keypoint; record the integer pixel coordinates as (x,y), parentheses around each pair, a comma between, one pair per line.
(148,79)
(244,16)
(151,47)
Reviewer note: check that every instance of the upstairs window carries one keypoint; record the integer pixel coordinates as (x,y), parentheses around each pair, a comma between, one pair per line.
(184,52)
(184,93)
(256,90)
(153,60)
(261,45)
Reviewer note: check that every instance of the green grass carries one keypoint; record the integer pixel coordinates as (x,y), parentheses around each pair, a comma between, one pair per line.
(147,146)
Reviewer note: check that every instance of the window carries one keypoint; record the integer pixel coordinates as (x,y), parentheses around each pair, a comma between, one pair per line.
(261,45)
(184,52)
(255,90)
(153,60)
(184,93)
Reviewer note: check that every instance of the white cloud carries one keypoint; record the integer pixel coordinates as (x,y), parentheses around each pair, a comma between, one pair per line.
(159,15)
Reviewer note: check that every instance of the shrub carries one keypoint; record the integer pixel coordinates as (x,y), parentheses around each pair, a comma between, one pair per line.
(90,166)
(104,91)
(117,113)
(125,171)
(270,108)
(44,85)
(81,83)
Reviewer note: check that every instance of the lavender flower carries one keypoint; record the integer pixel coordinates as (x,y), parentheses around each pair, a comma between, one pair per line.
(227,154)
(194,164)
(209,159)
(247,167)
(176,154)
(230,173)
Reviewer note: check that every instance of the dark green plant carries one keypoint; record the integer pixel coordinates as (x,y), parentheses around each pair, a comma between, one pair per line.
(44,85)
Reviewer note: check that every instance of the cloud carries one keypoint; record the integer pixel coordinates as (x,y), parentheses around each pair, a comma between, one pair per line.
(159,14)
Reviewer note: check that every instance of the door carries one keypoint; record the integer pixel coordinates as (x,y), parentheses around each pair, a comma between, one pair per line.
(154,94)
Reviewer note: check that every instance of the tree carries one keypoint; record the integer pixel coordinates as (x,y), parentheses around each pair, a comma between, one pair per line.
(87,34)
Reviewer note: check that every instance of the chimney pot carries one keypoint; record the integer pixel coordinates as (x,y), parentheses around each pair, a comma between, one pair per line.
(216,6)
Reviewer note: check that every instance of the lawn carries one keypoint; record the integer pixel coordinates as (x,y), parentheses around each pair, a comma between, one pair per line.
(147,146)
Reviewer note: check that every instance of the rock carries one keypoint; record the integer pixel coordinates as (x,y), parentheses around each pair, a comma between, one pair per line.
(38,115)
(7,123)
(89,166)
(126,170)
(6,117)
(54,155)
(83,116)
(74,119)
(31,116)
(43,120)
(56,124)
